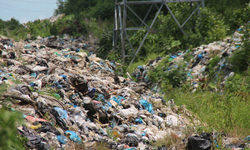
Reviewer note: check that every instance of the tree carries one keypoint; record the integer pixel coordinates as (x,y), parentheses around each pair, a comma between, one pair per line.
(61,7)
(74,6)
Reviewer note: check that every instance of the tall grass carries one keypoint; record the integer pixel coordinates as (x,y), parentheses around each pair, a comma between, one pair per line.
(225,112)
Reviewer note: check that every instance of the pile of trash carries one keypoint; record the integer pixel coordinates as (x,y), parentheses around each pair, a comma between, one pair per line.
(62,43)
(198,67)
(71,98)
(197,73)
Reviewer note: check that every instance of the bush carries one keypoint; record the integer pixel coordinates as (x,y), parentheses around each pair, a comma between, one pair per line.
(241,58)
(9,138)
(168,75)
(8,132)
(239,83)
(69,25)
(105,45)
(39,28)
(213,26)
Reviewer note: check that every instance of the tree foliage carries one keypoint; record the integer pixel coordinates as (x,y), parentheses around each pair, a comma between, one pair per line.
(241,59)
(8,132)
(9,138)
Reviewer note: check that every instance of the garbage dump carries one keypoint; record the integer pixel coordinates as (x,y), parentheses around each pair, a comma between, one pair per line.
(70,97)
(67,94)
(198,72)
(197,67)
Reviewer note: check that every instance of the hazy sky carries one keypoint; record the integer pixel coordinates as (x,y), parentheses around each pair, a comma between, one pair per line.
(26,10)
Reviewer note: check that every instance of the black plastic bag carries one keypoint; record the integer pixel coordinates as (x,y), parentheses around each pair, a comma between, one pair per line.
(59,120)
(34,141)
(42,62)
(47,127)
(163,147)
(202,142)
(79,83)
(12,55)
(130,140)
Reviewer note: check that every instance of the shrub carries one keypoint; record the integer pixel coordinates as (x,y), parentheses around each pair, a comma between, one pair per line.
(168,75)
(241,58)
(105,45)
(8,121)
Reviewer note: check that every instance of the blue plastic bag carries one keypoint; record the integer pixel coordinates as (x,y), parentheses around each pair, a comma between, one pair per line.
(62,113)
(100,97)
(247,138)
(139,121)
(73,136)
(63,76)
(58,85)
(200,56)
(174,56)
(91,92)
(105,107)
(107,102)
(33,75)
(118,100)
(32,84)
(132,148)
(62,139)
(147,106)
(140,67)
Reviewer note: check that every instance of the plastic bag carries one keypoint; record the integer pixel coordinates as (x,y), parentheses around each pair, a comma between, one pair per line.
(118,100)
(131,140)
(91,92)
(32,119)
(100,97)
(147,106)
(62,113)
(202,142)
(73,136)
(139,121)
(62,139)
(79,83)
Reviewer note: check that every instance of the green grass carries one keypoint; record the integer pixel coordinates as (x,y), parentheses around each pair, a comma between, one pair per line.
(226,113)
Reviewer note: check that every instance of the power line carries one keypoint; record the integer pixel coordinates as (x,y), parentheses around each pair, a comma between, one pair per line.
(35,2)
(20,9)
